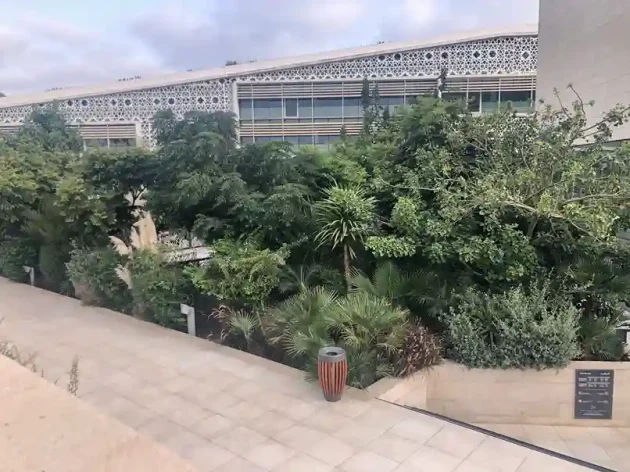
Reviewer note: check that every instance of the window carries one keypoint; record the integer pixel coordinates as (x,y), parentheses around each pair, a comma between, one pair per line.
(245,110)
(247,139)
(352,107)
(321,142)
(489,102)
(474,101)
(327,107)
(268,139)
(326,142)
(95,143)
(392,104)
(121,143)
(266,109)
(521,101)
(305,108)
(454,96)
(305,140)
(292,139)
(290,107)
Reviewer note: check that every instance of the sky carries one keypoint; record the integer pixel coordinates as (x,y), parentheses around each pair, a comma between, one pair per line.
(46,44)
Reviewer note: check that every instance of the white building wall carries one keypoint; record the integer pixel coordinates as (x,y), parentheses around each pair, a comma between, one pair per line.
(586,43)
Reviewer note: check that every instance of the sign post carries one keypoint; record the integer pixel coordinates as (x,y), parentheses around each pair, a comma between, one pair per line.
(31,274)
(594,394)
(189,311)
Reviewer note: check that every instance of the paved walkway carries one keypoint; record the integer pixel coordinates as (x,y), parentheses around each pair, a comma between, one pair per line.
(228,411)
(608,447)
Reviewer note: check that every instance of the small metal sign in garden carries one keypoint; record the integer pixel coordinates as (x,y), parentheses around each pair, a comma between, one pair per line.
(594,394)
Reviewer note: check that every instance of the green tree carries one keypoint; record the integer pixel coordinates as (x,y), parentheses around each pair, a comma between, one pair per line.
(346,217)
(503,196)
(48,128)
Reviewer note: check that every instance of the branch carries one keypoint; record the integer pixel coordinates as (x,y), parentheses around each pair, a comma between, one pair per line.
(594,196)
(622,111)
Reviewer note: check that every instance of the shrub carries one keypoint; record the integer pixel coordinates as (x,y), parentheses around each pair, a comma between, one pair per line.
(93,275)
(371,331)
(157,288)
(513,329)
(239,271)
(421,349)
(14,255)
(599,339)
(240,329)
(52,265)
(369,328)
(299,324)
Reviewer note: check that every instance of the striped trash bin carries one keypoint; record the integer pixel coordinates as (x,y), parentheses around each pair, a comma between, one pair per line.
(332,368)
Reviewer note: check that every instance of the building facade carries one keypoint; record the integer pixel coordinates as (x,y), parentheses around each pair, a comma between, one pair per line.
(585,43)
(305,100)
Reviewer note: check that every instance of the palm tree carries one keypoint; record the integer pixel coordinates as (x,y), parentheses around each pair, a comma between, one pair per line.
(346,216)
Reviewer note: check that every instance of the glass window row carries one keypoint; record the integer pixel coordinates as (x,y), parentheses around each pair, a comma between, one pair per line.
(307,109)
(110,143)
(319,141)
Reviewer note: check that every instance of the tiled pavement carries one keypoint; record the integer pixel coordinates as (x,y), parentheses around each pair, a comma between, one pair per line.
(228,411)
(608,447)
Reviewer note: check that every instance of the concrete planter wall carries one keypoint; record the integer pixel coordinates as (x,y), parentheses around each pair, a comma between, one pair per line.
(505,396)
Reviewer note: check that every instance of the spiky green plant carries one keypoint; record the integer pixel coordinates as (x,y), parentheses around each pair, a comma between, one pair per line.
(599,340)
(346,217)
(298,279)
(387,282)
(237,324)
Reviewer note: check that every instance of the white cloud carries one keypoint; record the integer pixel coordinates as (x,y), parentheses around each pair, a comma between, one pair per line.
(38,52)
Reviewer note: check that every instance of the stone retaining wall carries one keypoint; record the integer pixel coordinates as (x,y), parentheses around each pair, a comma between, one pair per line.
(505,396)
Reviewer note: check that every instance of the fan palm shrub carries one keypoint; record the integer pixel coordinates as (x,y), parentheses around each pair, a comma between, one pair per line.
(387,282)
(299,324)
(372,331)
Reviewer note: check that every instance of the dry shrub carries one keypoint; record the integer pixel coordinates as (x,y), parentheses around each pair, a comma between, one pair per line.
(421,349)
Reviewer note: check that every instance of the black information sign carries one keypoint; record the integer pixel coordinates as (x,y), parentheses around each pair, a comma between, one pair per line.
(594,394)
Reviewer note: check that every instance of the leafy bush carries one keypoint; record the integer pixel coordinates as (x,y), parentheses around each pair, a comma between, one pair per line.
(421,349)
(93,275)
(157,288)
(52,265)
(14,255)
(239,271)
(513,329)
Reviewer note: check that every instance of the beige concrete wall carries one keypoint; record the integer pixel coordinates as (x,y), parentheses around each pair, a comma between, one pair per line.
(507,396)
(586,43)
(45,428)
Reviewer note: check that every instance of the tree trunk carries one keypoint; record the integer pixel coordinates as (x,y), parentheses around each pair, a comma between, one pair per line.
(346,265)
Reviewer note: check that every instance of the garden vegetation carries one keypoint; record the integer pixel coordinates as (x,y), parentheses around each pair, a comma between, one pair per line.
(493,240)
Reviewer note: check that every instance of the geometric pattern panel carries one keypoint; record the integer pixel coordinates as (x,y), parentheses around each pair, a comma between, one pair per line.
(508,55)
(498,56)
(136,106)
